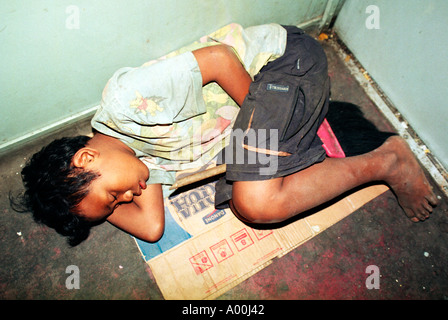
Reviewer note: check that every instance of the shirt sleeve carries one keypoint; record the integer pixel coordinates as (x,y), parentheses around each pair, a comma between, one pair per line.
(165,92)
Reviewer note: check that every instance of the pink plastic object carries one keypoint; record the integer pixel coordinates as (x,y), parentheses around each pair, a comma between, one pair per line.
(329,140)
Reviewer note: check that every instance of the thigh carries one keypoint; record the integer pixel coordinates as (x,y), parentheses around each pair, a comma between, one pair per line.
(275,132)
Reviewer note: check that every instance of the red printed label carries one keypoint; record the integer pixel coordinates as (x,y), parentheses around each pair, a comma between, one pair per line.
(201,262)
(221,251)
(242,239)
(260,234)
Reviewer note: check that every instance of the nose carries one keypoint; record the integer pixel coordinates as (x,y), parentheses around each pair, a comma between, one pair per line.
(128,196)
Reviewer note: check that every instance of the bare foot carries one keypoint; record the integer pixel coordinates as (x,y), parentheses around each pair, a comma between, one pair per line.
(407,180)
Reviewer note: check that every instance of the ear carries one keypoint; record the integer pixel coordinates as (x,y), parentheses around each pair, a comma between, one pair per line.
(85,156)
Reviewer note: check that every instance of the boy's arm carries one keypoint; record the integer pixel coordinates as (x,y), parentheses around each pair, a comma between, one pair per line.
(144,217)
(220,64)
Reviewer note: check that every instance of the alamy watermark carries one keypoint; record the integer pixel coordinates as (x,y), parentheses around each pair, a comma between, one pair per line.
(373,280)
(73,280)
(72,21)
(251,146)
(254,146)
(373,20)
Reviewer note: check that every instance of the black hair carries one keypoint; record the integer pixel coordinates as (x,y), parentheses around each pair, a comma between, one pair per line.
(54,188)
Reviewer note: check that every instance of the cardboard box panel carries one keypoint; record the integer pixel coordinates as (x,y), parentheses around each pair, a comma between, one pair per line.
(215,251)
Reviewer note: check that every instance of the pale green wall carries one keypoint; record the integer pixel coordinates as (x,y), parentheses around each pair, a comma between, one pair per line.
(408,57)
(49,72)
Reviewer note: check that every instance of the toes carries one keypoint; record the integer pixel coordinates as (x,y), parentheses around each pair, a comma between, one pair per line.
(420,217)
(417,215)
(427,207)
(423,214)
(432,199)
(419,211)
(411,215)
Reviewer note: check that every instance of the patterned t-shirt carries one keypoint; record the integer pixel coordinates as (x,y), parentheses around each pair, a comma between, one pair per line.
(164,114)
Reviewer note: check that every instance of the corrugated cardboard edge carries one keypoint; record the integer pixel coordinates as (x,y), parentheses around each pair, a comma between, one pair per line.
(233,284)
(286,236)
(322,220)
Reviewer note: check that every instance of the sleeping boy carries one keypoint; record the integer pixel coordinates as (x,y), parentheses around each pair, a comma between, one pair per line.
(188,108)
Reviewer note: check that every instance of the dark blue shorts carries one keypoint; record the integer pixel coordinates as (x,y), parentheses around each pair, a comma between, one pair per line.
(275,132)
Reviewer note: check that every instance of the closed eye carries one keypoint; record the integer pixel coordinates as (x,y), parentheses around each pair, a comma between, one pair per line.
(113,202)
(112,196)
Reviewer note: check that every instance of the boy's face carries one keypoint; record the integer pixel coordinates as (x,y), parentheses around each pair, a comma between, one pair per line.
(121,177)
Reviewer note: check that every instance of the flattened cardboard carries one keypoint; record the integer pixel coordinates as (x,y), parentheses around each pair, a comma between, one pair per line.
(213,251)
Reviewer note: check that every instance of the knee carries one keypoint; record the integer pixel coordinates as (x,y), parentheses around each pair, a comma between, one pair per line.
(243,212)
(255,210)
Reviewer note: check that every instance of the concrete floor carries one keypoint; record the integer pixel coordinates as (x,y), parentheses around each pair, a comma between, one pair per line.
(411,257)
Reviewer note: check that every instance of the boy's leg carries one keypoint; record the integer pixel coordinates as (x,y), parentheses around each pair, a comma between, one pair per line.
(278,199)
